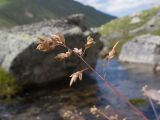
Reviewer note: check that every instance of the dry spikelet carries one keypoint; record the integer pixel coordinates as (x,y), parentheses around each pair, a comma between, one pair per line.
(90,42)
(78,51)
(115,117)
(75,76)
(94,110)
(45,44)
(111,54)
(58,38)
(49,43)
(62,56)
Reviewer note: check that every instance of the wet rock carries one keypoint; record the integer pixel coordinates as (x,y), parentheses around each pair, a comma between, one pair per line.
(142,49)
(19,56)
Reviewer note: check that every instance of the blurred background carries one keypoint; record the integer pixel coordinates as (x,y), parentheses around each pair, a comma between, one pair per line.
(35,86)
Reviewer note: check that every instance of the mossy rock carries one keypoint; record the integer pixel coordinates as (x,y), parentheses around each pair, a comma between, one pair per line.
(8,85)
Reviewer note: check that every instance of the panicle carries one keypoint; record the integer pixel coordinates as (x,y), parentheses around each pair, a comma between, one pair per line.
(46,44)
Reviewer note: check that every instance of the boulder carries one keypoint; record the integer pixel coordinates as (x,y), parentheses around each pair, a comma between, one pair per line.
(18,54)
(135,20)
(142,49)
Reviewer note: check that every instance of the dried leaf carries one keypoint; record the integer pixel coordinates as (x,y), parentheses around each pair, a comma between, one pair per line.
(62,56)
(90,42)
(78,51)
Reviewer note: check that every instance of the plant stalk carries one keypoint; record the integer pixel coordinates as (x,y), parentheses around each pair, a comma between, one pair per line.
(108,84)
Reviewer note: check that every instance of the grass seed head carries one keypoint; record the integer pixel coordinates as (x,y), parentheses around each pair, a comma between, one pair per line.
(90,42)
(75,76)
(63,56)
(58,38)
(78,51)
(94,110)
(49,43)
(112,53)
(45,44)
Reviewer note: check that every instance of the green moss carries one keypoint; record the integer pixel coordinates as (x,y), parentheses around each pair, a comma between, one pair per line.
(138,101)
(8,85)
(156,32)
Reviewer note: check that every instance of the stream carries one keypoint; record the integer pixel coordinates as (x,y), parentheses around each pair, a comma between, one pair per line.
(58,101)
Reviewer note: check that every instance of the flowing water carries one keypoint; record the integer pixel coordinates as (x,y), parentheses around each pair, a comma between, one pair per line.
(58,101)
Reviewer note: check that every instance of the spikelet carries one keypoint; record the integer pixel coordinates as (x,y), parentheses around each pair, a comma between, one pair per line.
(58,38)
(62,56)
(45,44)
(78,51)
(90,42)
(112,53)
(49,43)
(77,75)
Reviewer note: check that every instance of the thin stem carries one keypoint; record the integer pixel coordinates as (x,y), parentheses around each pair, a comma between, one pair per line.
(103,114)
(84,69)
(104,65)
(84,51)
(108,84)
(154,110)
(116,91)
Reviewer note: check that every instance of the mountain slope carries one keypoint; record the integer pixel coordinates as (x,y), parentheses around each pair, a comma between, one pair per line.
(125,28)
(18,12)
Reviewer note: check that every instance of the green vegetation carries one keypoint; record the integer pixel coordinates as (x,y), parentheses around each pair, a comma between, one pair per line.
(19,12)
(138,101)
(3,2)
(8,85)
(123,26)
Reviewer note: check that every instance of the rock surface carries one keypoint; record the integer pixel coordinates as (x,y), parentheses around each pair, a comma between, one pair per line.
(135,20)
(19,56)
(142,49)
(152,25)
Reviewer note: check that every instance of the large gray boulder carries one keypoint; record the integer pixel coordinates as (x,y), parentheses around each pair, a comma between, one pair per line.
(19,56)
(142,49)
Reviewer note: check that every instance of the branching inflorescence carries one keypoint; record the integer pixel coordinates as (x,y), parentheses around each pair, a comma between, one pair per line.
(49,43)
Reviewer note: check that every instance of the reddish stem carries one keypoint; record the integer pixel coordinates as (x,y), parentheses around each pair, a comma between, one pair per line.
(108,84)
